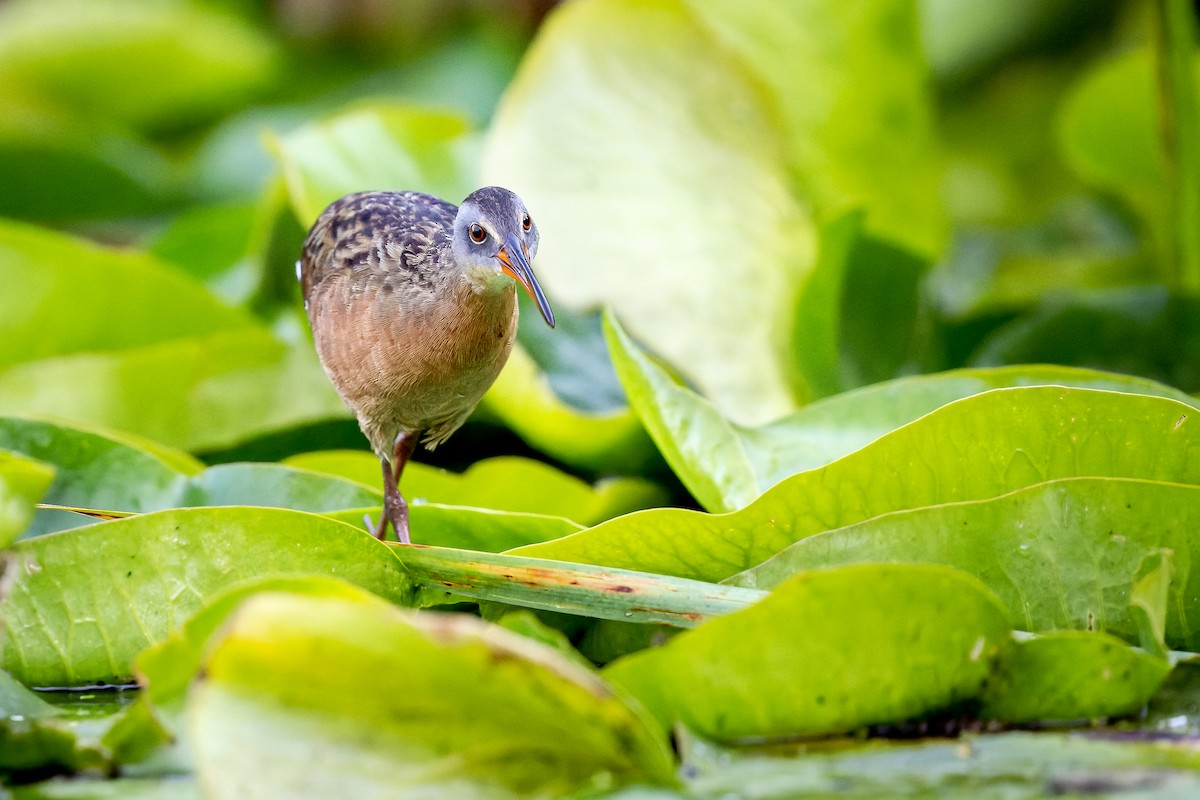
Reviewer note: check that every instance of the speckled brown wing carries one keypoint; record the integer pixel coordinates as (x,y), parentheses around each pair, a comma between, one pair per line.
(378,237)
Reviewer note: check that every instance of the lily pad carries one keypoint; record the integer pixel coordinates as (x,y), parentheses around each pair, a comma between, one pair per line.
(81,604)
(1063,554)
(1071,676)
(551,726)
(1019,766)
(971,449)
(826,652)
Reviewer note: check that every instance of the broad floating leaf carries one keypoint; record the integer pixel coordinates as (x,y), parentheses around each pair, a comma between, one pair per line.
(1070,676)
(1021,766)
(1063,554)
(726,465)
(826,652)
(82,603)
(971,449)
(165,668)
(484,713)
(195,373)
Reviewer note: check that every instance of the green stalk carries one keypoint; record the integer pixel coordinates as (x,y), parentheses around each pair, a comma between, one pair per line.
(582,589)
(1180,121)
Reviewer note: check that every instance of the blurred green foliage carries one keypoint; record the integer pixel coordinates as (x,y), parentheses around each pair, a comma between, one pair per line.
(803,256)
(1013,193)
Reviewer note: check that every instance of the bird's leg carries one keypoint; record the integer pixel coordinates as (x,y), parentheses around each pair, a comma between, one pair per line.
(395,509)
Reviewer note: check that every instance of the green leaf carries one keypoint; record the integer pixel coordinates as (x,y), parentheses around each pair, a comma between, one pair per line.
(277,486)
(597,441)
(192,373)
(81,604)
(98,469)
(1108,127)
(376,146)
(62,292)
(607,81)
(818,314)
(844,83)
(468,528)
(35,735)
(1070,676)
(23,481)
(203,62)
(1064,554)
(213,244)
(108,471)
(527,624)
(709,93)
(484,713)
(881,300)
(827,651)
(1149,600)
(726,466)
(165,668)
(971,449)
(196,393)
(1135,329)
(55,169)
(505,483)
(170,787)
(703,448)
(1015,766)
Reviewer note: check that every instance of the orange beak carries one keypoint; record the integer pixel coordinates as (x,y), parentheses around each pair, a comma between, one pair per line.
(514,262)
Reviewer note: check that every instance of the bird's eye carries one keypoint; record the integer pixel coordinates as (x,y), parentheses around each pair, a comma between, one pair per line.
(478,234)
(526,222)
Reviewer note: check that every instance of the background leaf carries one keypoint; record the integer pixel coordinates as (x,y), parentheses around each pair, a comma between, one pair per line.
(23,481)
(603,76)
(503,484)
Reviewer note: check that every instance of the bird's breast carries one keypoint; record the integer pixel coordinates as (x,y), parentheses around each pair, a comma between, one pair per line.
(413,357)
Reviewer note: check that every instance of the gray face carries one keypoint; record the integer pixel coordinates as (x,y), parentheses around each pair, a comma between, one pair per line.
(485,221)
(495,237)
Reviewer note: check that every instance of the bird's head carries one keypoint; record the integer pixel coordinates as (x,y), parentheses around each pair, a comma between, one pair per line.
(494,236)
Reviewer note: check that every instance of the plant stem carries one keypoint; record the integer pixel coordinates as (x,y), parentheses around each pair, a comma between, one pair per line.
(1180,130)
(581,589)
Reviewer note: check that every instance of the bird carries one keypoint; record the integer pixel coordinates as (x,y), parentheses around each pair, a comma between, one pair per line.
(413,310)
